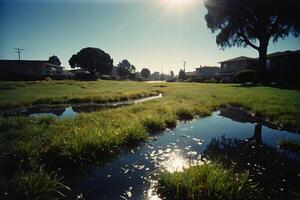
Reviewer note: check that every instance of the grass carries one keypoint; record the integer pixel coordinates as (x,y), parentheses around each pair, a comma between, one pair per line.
(209,181)
(293,146)
(39,185)
(15,94)
(95,136)
(98,133)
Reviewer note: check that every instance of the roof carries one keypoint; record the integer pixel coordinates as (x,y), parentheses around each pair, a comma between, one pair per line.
(190,73)
(241,58)
(284,53)
(209,67)
(26,63)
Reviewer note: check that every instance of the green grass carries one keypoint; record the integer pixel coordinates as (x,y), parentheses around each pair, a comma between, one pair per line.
(293,146)
(98,133)
(208,182)
(61,92)
(38,185)
(95,136)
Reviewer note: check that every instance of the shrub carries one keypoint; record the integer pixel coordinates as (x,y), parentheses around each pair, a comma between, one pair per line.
(224,80)
(246,76)
(210,81)
(48,78)
(209,181)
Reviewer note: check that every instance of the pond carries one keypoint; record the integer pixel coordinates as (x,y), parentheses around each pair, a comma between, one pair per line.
(70,111)
(244,145)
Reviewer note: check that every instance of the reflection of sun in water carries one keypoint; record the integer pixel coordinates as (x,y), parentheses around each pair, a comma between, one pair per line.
(175,163)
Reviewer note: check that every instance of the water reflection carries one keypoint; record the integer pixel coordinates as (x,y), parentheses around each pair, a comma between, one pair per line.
(67,111)
(248,146)
(275,171)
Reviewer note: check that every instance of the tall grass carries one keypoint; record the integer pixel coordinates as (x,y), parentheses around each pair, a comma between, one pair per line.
(208,182)
(38,185)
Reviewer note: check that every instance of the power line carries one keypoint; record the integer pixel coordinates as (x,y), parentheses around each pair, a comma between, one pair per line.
(19,51)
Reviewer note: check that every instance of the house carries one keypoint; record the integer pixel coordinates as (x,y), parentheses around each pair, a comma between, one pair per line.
(206,72)
(230,67)
(284,67)
(190,75)
(29,70)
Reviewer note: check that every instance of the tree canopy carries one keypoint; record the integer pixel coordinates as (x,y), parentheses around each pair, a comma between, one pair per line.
(145,73)
(172,74)
(125,69)
(93,60)
(181,75)
(54,60)
(253,23)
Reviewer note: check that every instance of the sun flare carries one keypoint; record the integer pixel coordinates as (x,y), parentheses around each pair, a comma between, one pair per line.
(180,3)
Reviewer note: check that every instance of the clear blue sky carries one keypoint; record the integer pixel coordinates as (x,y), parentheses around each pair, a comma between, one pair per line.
(151,33)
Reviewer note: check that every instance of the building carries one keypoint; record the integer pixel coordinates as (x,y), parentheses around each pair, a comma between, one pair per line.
(230,67)
(190,75)
(206,72)
(284,67)
(29,70)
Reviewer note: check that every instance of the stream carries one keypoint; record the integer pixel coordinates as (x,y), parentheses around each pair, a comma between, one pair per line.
(70,111)
(230,135)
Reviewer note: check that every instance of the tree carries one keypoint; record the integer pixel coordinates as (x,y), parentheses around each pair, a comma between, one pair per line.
(145,73)
(181,75)
(162,77)
(93,60)
(246,22)
(54,60)
(125,69)
(172,74)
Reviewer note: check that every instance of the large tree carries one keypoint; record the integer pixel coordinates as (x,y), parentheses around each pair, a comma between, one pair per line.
(145,73)
(54,60)
(93,60)
(125,69)
(253,23)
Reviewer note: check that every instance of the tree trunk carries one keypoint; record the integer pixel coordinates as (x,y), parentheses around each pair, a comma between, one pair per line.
(262,63)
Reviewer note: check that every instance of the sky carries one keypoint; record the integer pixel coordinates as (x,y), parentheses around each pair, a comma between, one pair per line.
(157,34)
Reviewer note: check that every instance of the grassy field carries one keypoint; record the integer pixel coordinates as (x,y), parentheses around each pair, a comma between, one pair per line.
(54,92)
(28,143)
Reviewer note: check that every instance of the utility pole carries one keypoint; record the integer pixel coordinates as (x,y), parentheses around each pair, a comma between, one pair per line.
(19,51)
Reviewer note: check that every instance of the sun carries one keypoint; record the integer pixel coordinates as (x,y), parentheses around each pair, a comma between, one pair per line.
(180,3)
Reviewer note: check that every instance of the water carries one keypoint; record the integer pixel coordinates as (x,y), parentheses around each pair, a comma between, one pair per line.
(243,145)
(63,112)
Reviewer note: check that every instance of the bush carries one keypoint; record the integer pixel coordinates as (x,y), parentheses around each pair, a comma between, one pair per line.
(48,78)
(224,80)
(245,76)
(210,81)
